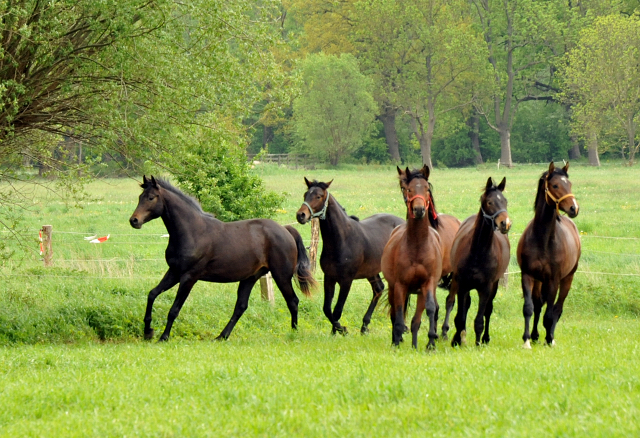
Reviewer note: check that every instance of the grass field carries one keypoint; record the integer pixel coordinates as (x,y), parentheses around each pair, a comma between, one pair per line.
(72,362)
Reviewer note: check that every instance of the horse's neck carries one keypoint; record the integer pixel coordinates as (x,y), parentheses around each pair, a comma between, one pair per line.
(482,235)
(178,216)
(336,224)
(417,233)
(545,223)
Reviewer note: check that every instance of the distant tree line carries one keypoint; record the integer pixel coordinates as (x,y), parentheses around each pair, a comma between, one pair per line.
(458,82)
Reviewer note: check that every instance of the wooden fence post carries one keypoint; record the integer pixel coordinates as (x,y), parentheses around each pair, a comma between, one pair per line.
(313,247)
(266,288)
(46,243)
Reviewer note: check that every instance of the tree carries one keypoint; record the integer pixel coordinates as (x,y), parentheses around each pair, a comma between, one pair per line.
(522,39)
(601,78)
(335,109)
(125,76)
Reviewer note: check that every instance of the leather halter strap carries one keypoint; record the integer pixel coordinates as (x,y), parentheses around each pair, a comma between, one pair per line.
(547,193)
(322,214)
(492,217)
(410,200)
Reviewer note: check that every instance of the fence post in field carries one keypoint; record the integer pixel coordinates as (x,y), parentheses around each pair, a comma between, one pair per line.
(46,243)
(266,288)
(315,237)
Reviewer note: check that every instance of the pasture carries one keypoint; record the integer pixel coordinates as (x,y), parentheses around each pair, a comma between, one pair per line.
(73,363)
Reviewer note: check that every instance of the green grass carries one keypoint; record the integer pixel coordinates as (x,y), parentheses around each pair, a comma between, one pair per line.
(73,363)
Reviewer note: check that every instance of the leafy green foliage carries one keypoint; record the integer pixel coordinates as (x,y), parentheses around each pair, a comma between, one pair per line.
(335,111)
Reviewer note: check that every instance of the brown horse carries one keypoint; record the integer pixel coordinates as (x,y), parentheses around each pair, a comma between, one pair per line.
(548,253)
(412,259)
(203,248)
(480,256)
(351,249)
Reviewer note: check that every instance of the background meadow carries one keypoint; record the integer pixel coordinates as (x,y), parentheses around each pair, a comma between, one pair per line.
(72,361)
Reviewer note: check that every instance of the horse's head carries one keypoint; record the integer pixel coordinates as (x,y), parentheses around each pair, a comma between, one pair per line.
(316,200)
(150,203)
(494,205)
(416,190)
(558,190)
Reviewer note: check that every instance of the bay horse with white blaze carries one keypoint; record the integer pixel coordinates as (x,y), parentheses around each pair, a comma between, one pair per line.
(203,248)
(351,249)
(480,256)
(412,259)
(548,253)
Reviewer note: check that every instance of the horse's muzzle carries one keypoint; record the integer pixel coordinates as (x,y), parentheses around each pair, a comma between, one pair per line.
(419,212)
(301,217)
(504,226)
(135,223)
(573,211)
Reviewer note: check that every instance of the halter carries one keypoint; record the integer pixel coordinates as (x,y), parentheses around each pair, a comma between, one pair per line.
(410,200)
(322,214)
(557,201)
(492,217)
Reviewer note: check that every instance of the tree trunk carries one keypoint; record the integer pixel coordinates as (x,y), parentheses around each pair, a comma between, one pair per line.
(473,122)
(505,146)
(594,159)
(574,152)
(267,135)
(388,119)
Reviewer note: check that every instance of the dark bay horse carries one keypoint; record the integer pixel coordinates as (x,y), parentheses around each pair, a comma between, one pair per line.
(412,259)
(480,256)
(203,248)
(548,253)
(351,249)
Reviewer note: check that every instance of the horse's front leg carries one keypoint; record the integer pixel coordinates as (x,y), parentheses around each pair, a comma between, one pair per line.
(397,299)
(432,309)
(527,308)
(186,284)
(487,313)
(169,280)
(484,296)
(451,300)
(549,292)
(565,285)
(537,309)
(417,317)
(345,287)
(329,290)
(464,302)
(378,286)
(242,302)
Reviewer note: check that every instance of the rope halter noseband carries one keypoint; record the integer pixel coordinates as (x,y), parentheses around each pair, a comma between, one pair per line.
(410,200)
(322,214)
(547,193)
(492,217)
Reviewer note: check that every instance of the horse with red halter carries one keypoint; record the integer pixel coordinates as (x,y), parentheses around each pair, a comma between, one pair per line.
(480,256)
(548,253)
(412,259)
(203,248)
(351,249)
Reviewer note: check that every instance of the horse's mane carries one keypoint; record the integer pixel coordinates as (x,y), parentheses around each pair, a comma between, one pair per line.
(165,184)
(325,186)
(417,173)
(540,198)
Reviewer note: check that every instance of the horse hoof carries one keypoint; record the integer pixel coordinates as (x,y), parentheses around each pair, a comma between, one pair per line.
(431,346)
(148,335)
(364,330)
(163,338)
(220,338)
(552,343)
(527,345)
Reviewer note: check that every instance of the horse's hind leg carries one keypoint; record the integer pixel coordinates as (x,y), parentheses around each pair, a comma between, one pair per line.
(378,286)
(169,280)
(464,302)
(527,308)
(451,300)
(431,305)
(242,302)
(417,318)
(329,290)
(537,309)
(550,291)
(345,287)
(186,284)
(487,313)
(289,296)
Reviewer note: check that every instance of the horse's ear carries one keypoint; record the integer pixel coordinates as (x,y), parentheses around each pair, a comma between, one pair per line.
(407,172)
(425,171)
(566,167)
(502,184)
(306,181)
(552,167)
(329,183)
(489,184)
(153,182)
(144,179)
(400,172)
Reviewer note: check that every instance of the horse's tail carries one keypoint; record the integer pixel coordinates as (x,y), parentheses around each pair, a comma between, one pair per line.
(303,274)
(445,282)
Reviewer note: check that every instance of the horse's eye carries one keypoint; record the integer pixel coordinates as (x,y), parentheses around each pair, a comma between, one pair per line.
(555,186)
(489,203)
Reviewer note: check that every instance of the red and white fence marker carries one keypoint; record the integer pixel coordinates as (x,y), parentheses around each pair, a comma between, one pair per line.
(101,239)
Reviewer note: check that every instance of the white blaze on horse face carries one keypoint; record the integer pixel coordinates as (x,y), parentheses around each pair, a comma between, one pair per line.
(564,180)
(527,344)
